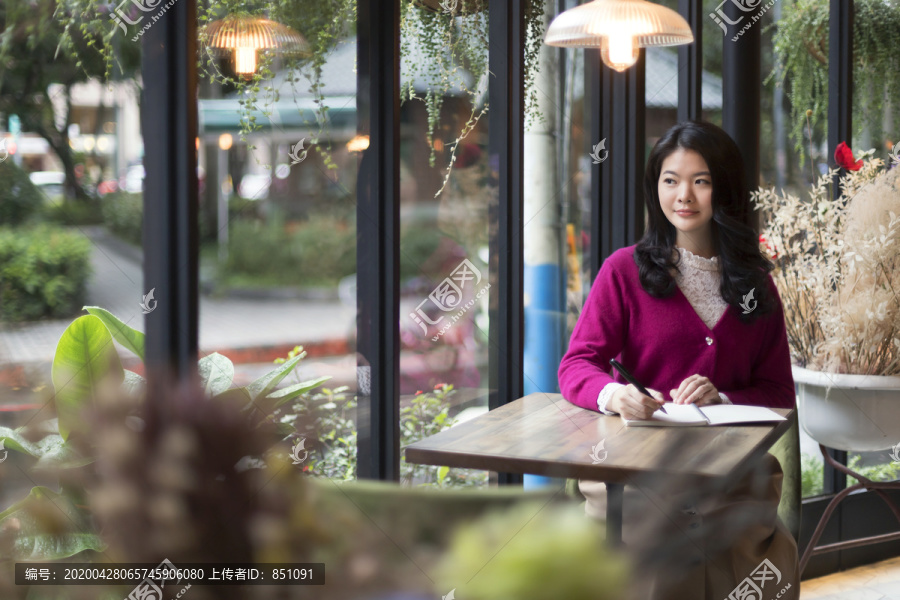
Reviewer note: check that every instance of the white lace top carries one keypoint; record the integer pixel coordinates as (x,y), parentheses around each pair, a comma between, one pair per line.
(699,282)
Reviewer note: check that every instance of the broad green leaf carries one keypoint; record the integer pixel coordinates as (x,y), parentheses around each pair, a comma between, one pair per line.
(442,472)
(285,429)
(55,453)
(51,451)
(85,356)
(48,527)
(13,440)
(265,384)
(289,393)
(216,373)
(127,336)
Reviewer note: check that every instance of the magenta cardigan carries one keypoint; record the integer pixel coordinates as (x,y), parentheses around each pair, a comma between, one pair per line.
(662,341)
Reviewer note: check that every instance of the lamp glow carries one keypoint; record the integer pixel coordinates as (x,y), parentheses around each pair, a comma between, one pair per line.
(619,28)
(358,143)
(245,60)
(243,36)
(620,52)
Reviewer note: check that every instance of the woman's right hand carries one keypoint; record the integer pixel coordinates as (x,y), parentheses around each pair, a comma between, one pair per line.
(631,404)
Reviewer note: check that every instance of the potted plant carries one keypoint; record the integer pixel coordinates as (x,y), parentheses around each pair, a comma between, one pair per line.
(838,274)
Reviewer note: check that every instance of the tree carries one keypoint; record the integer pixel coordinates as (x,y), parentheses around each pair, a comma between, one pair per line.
(31,59)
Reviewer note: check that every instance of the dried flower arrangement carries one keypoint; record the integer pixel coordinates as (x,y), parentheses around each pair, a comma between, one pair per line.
(838,267)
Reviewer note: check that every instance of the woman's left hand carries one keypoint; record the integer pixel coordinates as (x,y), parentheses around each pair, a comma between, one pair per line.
(696,389)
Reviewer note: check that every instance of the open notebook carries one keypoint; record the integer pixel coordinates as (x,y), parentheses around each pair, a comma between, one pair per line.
(714,414)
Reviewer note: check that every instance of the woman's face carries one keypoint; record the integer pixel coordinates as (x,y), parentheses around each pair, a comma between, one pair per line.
(685,196)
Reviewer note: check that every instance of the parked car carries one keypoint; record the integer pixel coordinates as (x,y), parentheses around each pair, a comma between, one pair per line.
(50,183)
(133,180)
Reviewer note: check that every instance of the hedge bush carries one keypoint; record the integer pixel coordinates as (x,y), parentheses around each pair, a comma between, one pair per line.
(43,272)
(74,212)
(19,198)
(123,214)
(318,252)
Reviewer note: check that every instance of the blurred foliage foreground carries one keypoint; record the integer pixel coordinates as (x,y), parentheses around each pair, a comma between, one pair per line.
(202,473)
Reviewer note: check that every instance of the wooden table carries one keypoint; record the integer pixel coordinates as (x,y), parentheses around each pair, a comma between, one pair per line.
(544,434)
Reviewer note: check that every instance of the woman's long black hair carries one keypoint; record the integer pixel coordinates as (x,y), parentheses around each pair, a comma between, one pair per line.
(743,266)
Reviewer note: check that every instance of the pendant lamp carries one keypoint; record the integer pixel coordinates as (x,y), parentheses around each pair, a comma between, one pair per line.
(244,35)
(618,28)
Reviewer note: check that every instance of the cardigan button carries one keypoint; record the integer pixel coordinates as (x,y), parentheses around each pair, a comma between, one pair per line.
(709,341)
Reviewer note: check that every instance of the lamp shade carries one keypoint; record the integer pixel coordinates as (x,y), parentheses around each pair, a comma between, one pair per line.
(244,35)
(592,25)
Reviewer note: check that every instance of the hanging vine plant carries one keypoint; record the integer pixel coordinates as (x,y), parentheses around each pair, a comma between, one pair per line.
(446,45)
(801,49)
(443,43)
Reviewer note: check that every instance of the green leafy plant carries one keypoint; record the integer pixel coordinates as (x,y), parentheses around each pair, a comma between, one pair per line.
(427,414)
(320,251)
(43,272)
(68,212)
(535,551)
(813,473)
(123,214)
(85,364)
(330,426)
(329,417)
(801,49)
(446,49)
(19,198)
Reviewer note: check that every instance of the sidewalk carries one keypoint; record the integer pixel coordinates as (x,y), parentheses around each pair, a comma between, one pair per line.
(249,331)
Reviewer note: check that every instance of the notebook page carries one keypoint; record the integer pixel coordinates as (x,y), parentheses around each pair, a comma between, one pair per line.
(679,414)
(724,414)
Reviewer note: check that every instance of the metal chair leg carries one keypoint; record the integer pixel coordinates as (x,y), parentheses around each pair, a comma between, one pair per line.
(864,483)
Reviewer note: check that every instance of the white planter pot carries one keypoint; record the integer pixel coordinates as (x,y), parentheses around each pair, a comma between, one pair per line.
(857,413)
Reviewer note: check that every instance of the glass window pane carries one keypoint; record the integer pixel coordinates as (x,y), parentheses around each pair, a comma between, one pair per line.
(278,228)
(444,231)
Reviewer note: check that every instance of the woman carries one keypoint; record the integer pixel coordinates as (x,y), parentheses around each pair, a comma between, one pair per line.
(692,312)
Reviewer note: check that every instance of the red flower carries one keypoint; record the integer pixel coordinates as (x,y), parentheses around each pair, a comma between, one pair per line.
(769,247)
(843,156)
(419,393)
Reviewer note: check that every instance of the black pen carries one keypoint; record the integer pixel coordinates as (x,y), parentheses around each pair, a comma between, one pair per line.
(630,379)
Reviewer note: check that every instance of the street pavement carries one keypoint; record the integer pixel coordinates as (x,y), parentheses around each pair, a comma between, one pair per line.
(238,326)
